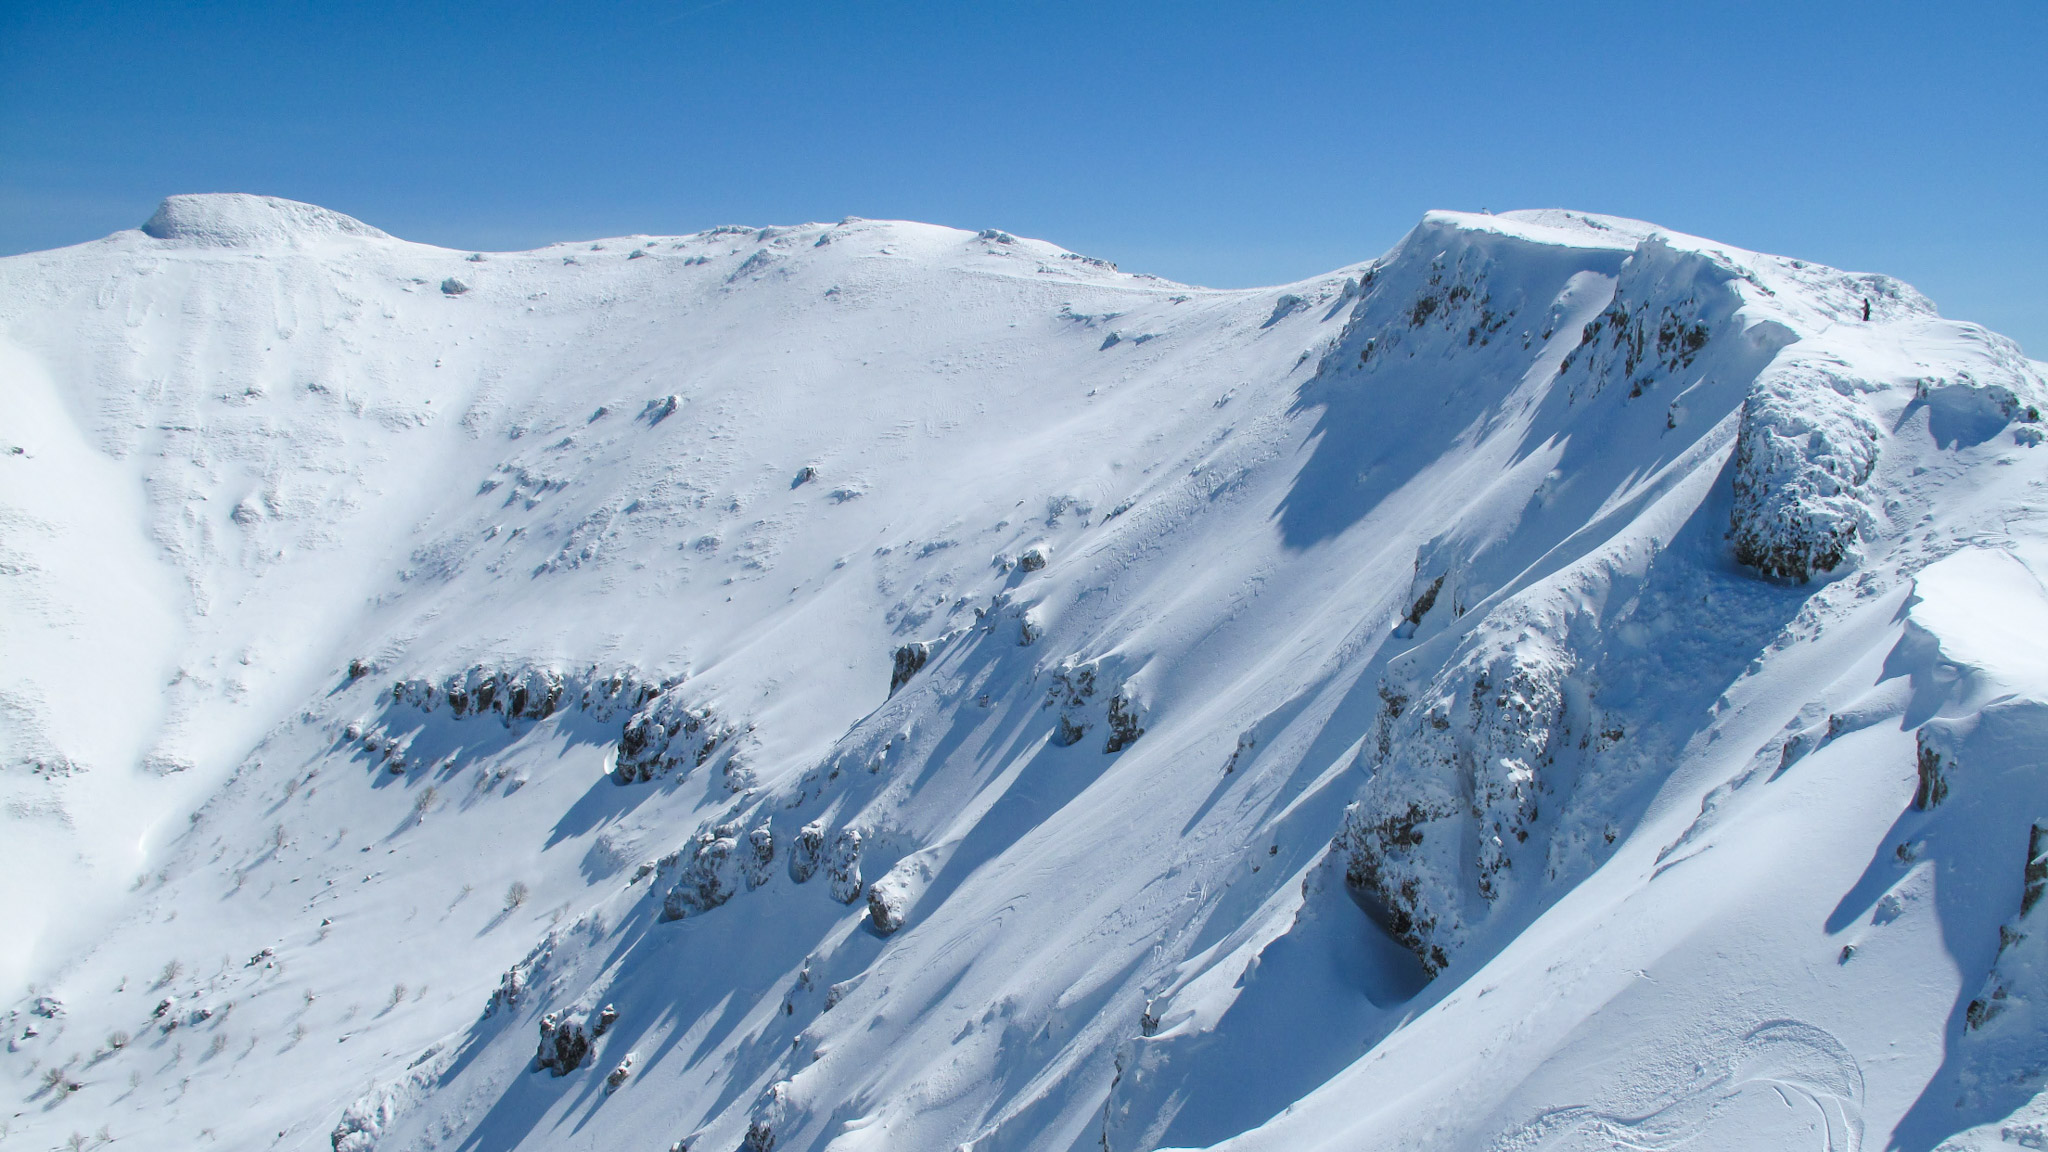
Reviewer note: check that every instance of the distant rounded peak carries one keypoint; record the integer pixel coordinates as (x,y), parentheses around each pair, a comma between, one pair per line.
(239,220)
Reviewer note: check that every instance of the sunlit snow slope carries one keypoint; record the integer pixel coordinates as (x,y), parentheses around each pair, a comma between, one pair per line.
(1560,685)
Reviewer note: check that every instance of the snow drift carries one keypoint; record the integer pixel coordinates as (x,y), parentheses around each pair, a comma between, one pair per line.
(871,685)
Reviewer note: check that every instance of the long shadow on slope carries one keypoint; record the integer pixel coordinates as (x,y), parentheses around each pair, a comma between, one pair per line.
(1353,467)
(1658,649)
(756,942)
(1062,1047)
(1319,997)
(1043,776)
(727,1034)
(1978,840)
(440,745)
(1407,382)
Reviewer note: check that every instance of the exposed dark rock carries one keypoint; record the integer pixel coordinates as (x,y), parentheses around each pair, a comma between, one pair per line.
(1934,765)
(564,1043)
(842,867)
(885,908)
(805,849)
(1124,729)
(706,881)
(668,733)
(909,658)
(526,692)
(758,859)
(1069,732)
(513,985)
(1802,455)
(1073,688)
(1424,603)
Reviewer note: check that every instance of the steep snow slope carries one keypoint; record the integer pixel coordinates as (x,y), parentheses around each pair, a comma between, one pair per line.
(1560,684)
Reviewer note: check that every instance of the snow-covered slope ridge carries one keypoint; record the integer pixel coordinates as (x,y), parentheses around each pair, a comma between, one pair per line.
(1563,684)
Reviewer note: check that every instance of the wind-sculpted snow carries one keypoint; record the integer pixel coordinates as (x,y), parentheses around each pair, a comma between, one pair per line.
(871,685)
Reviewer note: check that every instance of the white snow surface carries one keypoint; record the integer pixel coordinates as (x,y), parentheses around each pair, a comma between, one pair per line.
(1563,684)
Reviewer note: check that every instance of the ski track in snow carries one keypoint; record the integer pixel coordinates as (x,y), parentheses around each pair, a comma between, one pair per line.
(1561,684)
(1796,1062)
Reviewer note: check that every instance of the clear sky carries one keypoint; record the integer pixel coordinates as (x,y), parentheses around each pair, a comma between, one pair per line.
(1227,144)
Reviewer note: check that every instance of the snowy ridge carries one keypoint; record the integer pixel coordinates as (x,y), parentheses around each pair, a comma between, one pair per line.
(879,685)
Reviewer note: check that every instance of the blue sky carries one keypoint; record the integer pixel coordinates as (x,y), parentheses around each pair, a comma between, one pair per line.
(1224,144)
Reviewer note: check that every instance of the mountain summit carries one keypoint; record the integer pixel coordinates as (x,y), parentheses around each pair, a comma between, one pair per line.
(1563,684)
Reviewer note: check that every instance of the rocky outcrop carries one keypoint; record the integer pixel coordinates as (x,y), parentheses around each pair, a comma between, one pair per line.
(1457,781)
(564,1043)
(527,691)
(909,659)
(708,876)
(885,907)
(1934,759)
(2021,969)
(1074,690)
(842,866)
(663,730)
(1124,728)
(524,692)
(519,979)
(757,860)
(1635,344)
(891,897)
(607,696)
(1804,452)
(716,864)
(666,734)
(805,850)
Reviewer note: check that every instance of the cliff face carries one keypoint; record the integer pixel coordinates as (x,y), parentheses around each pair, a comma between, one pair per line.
(875,684)
(1666,348)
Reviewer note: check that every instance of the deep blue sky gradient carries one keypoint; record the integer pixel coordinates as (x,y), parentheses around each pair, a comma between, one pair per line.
(1224,144)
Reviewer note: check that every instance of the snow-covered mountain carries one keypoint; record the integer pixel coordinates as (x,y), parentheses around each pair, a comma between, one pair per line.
(1560,685)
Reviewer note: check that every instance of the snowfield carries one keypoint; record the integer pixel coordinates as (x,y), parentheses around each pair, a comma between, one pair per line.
(1563,684)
